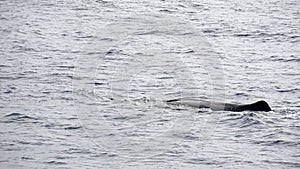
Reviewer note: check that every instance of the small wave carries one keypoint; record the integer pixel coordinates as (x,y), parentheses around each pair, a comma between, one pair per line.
(276,142)
(73,128)
(270,34)
(124,118)
(242,35)
(65,66)
(165,77)
(13,114)
(100,83)
(285,163)
(287,60)
(113,51)
(166,11)
(202,161)
(147,33)
(106,3)
(241,94)
(26,158)
(12,77)
(5,66)
(174,153)
(209,31)
(80,9)
(186,136)
(289,113)
(295,90)
(291,58)
(19,116)
(56,162)
(243,120)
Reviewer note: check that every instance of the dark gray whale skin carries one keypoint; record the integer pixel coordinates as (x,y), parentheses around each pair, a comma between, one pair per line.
(257,106)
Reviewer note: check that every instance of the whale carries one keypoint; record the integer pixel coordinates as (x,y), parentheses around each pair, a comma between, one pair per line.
(260,105)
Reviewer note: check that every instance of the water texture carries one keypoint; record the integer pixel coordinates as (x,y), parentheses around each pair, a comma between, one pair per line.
(83,83)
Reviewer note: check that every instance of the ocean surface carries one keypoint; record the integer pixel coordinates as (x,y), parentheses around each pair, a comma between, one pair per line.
(83,83)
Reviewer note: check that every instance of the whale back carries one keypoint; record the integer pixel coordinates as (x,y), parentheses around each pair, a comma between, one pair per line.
(258,106)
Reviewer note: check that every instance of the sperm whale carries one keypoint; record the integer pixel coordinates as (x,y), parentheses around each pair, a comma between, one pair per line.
(257,106)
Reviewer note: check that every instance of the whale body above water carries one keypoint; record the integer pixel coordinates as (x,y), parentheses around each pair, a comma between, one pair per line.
(257,106)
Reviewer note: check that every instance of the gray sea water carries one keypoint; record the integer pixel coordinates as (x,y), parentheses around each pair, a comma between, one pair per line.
(83,83)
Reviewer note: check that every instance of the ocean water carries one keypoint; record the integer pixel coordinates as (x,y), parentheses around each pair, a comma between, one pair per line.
(83,83)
